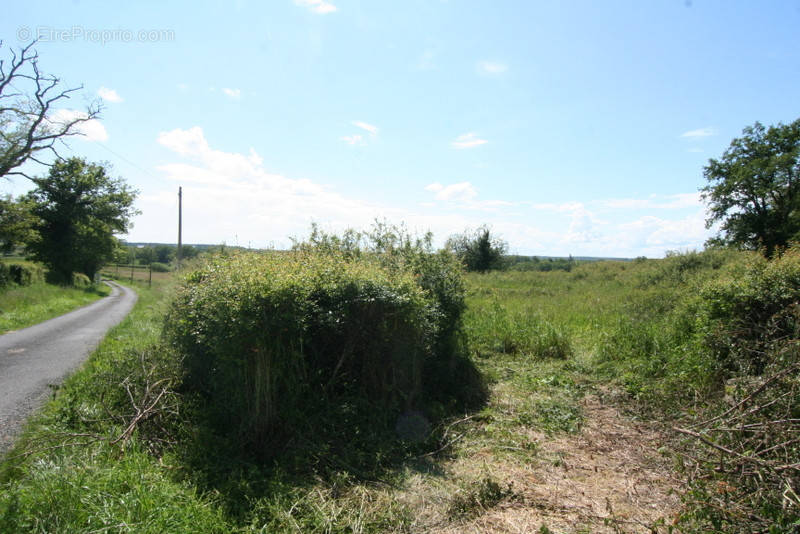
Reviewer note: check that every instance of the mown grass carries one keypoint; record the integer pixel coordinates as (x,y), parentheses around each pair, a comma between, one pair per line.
(23,306)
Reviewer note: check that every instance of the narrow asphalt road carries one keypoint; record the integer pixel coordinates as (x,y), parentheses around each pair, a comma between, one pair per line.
(36,357)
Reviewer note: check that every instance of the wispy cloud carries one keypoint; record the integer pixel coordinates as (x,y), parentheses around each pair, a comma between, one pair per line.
(365,126)
(320,7)
(700,132)
(460,192)
(468,140)
(233,93)
(491,67)
(91,130)
(109,95)
(355,139)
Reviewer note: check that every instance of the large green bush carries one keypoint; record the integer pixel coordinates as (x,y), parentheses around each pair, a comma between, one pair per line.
(267,337)
(22,274)
(749,314)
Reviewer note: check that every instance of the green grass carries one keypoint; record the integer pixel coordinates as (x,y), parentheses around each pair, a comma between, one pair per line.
(25,306)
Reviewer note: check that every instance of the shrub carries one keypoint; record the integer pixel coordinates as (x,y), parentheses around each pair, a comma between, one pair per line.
(80,280)
(157,267)
(269,336)
(20,274)
(747,315)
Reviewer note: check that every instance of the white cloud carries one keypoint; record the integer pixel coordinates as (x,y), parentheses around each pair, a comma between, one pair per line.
(189,142)
(358,139)
(233,93)
(468,140)
(92,130)
(491,67)
(354,139)
(232,197)
(667,202)
(700,132)
(365,126)
(460,192)
(320,7)
(109,95)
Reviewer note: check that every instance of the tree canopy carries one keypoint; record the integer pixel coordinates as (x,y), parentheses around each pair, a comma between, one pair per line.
(79,209)
(754,189)
(477,249)
(16,223)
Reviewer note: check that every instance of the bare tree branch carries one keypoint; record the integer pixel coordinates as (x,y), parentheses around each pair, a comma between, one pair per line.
(28,100)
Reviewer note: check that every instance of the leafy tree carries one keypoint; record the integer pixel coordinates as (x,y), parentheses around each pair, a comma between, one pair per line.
(30,126)
(16,223)
(80,208)
(188,252)
(164,253)
(754,189)
(146,255)
(478,250)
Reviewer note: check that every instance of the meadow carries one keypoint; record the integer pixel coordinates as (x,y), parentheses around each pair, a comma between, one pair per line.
(591,383)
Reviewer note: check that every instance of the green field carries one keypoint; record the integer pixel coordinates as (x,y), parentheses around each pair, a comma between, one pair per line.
(588,371)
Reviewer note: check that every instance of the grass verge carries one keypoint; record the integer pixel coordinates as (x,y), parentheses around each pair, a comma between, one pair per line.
(23,306)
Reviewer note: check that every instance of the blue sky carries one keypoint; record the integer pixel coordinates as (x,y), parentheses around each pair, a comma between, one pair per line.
(569,127)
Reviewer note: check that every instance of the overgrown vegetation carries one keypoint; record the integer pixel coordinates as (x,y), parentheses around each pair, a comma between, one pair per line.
(703,342)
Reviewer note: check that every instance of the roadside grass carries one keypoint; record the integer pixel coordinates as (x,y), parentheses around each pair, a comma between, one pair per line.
(23,306)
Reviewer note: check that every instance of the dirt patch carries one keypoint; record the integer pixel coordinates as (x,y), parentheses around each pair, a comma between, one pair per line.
(610,477)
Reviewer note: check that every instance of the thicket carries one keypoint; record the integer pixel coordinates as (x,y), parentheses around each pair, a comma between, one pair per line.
(22,274)
(369,321)
(711,340)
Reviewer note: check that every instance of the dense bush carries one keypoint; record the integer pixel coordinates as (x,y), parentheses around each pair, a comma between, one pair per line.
(748,315)
(270,336)
(80,280)
(749,324)
(20,274)
(158,267)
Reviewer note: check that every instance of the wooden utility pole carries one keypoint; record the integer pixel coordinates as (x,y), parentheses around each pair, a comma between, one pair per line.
(180,224)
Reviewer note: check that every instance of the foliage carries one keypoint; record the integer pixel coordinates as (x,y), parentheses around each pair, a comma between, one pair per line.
(754,189)
(744,451)
(477,249)
(29,125)
(494,328)
(21,274)
(157,267)
(534,263)
(80,280)
(16,223)
(268,332)
(79,209)
(145,255)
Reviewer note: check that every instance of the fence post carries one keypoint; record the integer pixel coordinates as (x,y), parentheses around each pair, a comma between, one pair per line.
(150,280)
(132,266)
